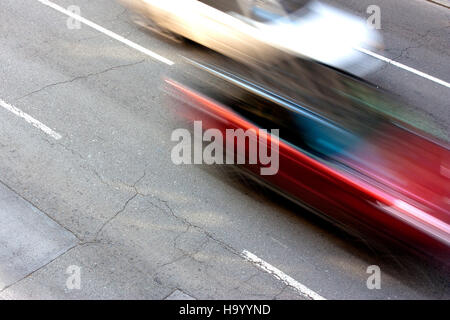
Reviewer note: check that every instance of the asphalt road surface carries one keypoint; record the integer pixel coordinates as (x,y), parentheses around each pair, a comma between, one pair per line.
(85,147)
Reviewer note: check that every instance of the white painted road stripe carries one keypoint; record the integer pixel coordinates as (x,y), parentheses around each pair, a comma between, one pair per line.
(280,275)
(404,67)
(30,120)
(107,32)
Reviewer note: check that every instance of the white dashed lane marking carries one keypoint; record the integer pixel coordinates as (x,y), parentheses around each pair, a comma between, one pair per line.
(405,67)
(280,275)
(30,120)
(107,32)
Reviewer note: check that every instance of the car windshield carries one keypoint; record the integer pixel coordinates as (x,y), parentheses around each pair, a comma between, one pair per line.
(261,11)
(280,11)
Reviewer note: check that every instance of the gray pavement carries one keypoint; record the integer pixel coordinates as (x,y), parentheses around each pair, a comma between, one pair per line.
(28,238)
(144,227)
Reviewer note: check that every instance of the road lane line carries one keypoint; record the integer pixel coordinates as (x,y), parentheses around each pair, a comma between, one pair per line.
(280,275)
(404,67)
(30,120)
(443,3)
(107,32)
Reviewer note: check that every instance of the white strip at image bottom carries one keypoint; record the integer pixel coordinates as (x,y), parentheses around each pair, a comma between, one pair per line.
(280,275)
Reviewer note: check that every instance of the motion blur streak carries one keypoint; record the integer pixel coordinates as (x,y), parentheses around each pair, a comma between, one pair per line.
(352,199)
(347,149)
(277,273)
(253,32)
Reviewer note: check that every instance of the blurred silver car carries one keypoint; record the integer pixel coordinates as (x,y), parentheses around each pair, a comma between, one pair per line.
(252,31)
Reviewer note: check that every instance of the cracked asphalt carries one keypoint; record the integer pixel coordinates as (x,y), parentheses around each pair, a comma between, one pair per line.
(144,228)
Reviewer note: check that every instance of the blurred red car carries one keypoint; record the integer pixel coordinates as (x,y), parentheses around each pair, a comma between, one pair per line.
(388,178)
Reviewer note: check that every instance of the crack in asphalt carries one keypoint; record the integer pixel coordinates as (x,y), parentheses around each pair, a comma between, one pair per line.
(122,209)
(78,78)
(245,282)
(41,210)
(164,206)
(38,269)
(411,46)
(208,234)
(182,256)
(281,292)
